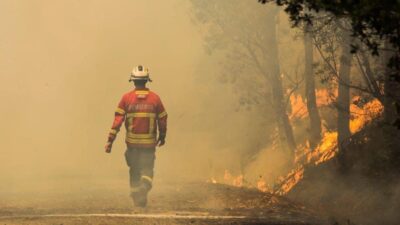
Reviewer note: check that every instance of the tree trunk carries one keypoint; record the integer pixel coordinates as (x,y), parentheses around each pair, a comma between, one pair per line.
(343,101)
(390,86)
(315,120)
(391,106)
(286,131)
(369,77)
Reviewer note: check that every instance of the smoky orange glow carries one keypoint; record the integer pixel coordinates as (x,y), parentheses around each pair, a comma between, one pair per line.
(246,138)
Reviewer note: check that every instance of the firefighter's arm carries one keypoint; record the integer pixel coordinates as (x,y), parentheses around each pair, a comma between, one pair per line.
(162,123)
(119,119)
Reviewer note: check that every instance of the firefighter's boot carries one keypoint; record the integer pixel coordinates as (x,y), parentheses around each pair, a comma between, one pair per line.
(137,196)
(140,198)
(141,195)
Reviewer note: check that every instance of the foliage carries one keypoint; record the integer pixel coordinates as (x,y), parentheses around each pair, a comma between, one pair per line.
(371,20)
(375,23)
(235,33)
(232,35)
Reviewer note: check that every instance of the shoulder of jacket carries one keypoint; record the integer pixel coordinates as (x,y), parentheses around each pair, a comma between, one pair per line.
(129,93)
(152,93)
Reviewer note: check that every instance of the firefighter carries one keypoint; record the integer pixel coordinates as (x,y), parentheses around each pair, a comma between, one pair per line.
(143,112)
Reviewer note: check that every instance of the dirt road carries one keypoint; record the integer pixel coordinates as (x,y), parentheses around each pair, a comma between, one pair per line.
(190,203)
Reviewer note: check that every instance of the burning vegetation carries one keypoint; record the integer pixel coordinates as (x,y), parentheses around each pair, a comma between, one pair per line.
(361,114)
(328,147)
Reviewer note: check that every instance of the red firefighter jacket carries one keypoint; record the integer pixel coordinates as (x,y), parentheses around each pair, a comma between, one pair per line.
(142,111)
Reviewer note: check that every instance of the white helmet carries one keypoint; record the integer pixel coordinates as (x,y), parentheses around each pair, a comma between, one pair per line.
(140,73)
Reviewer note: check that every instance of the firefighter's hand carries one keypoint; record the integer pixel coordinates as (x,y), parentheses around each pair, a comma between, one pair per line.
(160,141)
(108,147)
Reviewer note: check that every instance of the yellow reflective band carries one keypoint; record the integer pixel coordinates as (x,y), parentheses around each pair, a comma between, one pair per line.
(140,141)
(149,179)
(141,114)
(141,92)
(130,123)
(120,111)
(161,115)
(148,138)
(140,136)
(151,125)
(114,132)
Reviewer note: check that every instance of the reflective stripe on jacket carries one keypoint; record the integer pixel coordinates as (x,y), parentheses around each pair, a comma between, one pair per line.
(143,112)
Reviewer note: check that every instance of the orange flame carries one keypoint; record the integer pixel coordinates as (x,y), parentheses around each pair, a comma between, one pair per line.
(298,104)
(212,180)
(290,180)
(299,109)
(238,181)
(262,185)
(327,148)
(364,114)
(325,97)
(231,180)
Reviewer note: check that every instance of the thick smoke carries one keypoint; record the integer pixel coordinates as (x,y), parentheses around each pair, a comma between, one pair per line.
(64,66)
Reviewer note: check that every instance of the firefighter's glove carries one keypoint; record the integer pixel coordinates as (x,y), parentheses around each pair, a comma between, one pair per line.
(108,147)
(161,140)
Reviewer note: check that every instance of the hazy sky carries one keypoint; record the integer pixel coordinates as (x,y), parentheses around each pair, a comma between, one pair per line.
(64,66)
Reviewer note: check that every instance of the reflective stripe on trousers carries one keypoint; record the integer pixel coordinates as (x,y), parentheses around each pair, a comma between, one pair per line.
(141,165)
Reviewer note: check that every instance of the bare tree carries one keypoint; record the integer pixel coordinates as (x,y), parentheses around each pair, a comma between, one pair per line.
(250,41)
(343,100)
(315,119)
(391,86)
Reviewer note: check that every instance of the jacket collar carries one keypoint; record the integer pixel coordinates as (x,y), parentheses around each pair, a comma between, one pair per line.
(141,89)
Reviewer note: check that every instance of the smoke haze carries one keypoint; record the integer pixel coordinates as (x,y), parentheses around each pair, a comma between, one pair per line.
(64,66)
